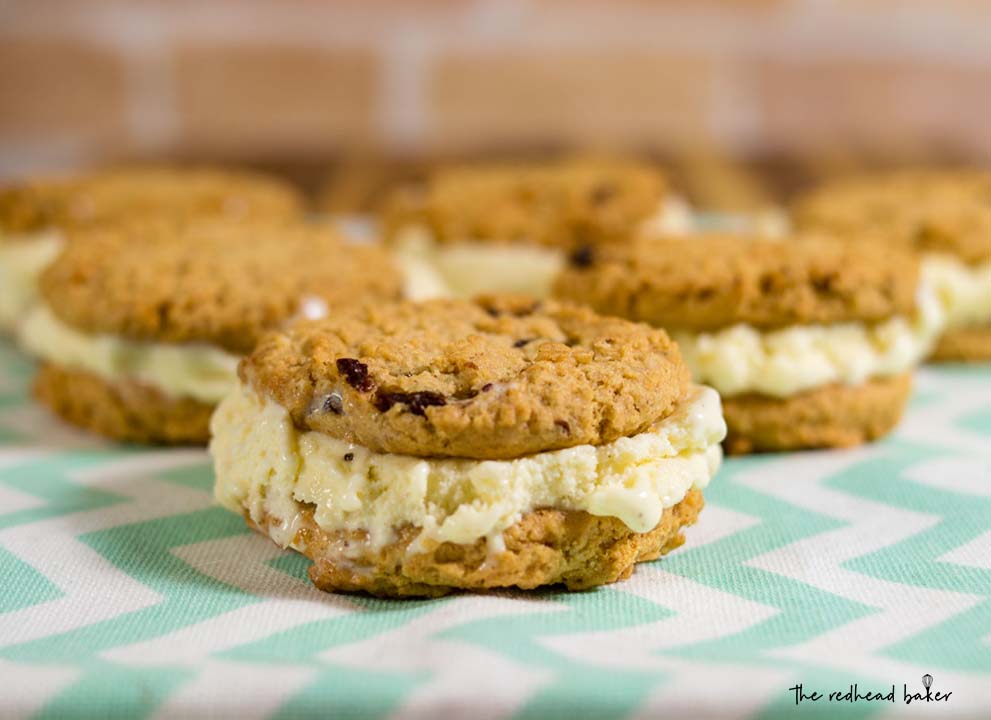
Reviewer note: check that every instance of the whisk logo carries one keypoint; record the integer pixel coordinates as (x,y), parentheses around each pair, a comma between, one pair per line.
(857,694)
(928,696)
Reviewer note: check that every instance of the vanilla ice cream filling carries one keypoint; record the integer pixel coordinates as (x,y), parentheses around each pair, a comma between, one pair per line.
(22,258)
(270,470)
(780,363)
(468,267)
(199,371)
(963,291)
(673,216)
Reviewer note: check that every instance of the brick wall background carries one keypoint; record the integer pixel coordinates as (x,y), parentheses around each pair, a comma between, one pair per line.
(306,82)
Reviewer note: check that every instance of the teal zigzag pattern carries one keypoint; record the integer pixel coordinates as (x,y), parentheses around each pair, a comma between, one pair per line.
(129,592)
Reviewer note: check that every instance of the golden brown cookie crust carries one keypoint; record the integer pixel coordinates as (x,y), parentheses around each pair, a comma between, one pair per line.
(708,282)
(126,410)
(217,282)
(123,194)
(546,547)
(499,377)
(945,211)
(558,204)
(963,345)
(827,417)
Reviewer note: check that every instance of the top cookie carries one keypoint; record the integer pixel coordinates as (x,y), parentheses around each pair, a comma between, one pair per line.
(499,377)
(142,193)
(928,211)
(219,282)
(714,281)
(565,203)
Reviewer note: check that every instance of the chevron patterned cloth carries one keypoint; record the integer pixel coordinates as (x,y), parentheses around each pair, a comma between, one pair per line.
(126,591)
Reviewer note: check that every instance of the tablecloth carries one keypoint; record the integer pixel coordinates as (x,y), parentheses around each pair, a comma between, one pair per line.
(127,591)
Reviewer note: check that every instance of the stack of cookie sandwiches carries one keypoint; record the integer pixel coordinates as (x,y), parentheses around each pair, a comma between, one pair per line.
(415,448)
(35,216)
(507,228)
(811,342)
(140,326)
(944,216)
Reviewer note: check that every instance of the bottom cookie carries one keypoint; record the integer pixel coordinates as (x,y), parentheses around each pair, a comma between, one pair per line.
(546,547)
(964,345)
(126,411)
(831,416)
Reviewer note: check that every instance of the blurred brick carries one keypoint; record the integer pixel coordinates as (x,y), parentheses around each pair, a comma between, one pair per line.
(894,107)
(624,5)
(274,99)
(380,9)
(557,97)
(945,8)
(280,80)
(64,89)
